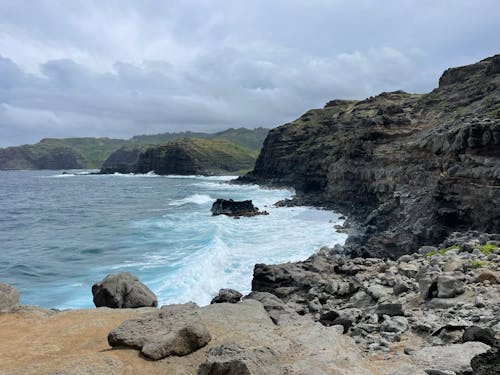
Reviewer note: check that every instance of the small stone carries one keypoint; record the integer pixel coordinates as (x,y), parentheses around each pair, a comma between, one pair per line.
(488,275)
(391,309)
(397,324)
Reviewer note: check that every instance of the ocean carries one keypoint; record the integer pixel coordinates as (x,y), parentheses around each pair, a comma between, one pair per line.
(60,233)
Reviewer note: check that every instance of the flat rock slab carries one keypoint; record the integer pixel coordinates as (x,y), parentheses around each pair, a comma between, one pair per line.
(173,330)
(233,359)
(456,357)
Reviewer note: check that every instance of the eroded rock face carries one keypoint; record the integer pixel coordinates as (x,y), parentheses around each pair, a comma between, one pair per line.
(410,169)
(9,297)
(123,291)
(173,330)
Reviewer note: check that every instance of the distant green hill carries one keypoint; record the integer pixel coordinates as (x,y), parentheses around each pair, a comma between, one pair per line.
(90,153)
(183,156)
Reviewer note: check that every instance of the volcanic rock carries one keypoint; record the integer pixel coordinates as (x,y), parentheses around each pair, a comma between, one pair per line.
(123,291)
(173,330)
(227,295)
(232,359)
(235,208)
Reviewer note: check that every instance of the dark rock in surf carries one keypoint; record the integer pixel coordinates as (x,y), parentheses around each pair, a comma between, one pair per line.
(227,295)
(235,208)
(123,291)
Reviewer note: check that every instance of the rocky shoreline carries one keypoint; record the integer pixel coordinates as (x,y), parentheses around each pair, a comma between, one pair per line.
(432,312)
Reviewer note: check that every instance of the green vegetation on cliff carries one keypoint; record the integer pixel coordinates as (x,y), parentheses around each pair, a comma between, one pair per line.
(90,153)
(183,156)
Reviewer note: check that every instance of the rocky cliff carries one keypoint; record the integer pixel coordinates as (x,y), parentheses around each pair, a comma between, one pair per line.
(409,168)
(185,157)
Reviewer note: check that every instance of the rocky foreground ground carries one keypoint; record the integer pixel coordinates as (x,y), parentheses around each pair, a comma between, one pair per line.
(427,313)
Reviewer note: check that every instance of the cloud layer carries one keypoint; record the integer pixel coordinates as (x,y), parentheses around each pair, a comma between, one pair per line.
(82,68)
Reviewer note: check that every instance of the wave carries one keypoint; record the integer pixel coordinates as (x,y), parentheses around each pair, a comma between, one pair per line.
(193,199)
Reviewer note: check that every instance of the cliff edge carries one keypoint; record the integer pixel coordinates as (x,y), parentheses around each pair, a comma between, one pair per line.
(411,169)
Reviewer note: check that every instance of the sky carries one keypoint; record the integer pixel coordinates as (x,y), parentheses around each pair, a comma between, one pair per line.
(109,68)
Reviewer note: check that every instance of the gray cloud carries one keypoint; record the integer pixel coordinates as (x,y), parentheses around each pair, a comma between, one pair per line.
(119,68)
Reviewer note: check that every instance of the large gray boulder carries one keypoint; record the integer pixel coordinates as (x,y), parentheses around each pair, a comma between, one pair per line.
(121,291)
(9,297)
(233,359)
(455,357)
(173,330)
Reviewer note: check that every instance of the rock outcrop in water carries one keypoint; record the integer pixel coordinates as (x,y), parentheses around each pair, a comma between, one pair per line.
(229,207)
(410,169)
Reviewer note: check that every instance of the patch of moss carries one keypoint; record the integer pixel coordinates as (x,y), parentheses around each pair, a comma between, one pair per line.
(487,249)
(477,264)
(442,251)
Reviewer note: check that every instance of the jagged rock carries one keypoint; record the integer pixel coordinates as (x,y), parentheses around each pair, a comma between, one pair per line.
(455,357)
(123,291)
(486,363)
(227,295)
(173,330)
(9,297)
(233,359)
(272,304)
(234,208)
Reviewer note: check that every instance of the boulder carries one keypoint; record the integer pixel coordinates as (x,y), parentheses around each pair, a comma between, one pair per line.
(173,330)
(449,286)
(123,291)
(9,297)
(486,363)
(455,357)
(227,295)
(274,307)
(234,208)
(233,359)
(484,335)
(390,309)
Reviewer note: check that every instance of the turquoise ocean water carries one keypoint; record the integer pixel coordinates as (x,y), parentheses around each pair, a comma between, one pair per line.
(60,233)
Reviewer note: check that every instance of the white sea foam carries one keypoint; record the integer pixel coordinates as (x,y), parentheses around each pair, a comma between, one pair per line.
(195,199)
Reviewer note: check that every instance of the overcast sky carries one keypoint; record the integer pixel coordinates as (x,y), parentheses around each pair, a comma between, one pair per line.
(120,68)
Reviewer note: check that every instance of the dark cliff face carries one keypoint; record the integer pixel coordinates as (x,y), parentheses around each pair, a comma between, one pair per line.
(410,168)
